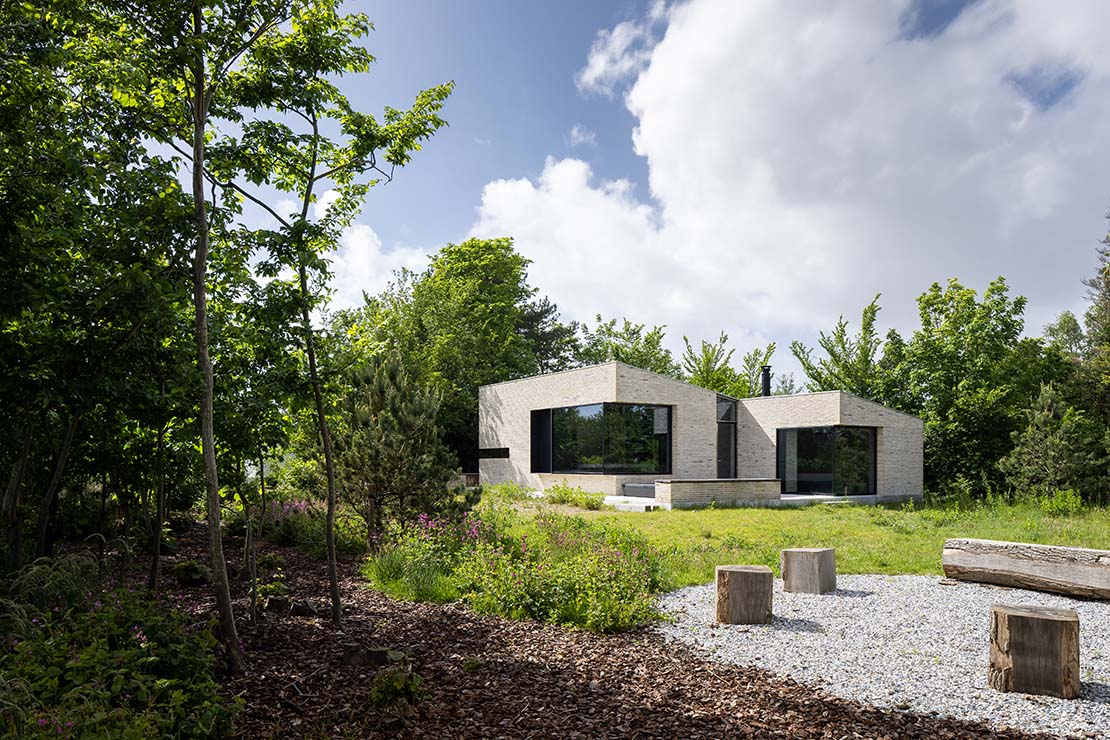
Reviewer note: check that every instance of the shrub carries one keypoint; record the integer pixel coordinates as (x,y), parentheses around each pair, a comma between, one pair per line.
(561,569)
(394,686)
(104,664)
(507,492)
(191,573)
(1062,502)
(561,493)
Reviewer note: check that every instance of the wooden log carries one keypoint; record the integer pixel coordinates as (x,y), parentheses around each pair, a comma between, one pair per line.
(808,570)
(1073,571)
(744,594)
(1034,650)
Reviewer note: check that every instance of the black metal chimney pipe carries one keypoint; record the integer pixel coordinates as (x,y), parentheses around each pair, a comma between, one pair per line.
(766,379)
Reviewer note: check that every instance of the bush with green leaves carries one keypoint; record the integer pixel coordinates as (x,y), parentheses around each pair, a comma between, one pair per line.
(1061,502)
(83,662)
(562,493)
(553,568)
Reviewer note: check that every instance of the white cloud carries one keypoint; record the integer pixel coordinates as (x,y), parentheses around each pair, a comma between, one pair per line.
(802,157)
(620,53)
(362,264)
(581,135)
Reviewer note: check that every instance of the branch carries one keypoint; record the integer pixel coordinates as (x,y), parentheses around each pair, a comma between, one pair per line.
(228,184)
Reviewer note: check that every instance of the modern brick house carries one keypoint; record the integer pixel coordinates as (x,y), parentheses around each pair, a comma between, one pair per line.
(620,430)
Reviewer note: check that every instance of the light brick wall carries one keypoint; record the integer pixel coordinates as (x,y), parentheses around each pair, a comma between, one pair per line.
(899,441)
(759,418)
(505,420)
(899,453)
(681,494)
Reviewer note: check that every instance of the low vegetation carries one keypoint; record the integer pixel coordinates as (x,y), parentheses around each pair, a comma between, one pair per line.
(548,567)
(85,661)
(868,539)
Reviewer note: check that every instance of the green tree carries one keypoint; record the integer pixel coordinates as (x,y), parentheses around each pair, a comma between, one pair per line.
(708,366)
(974,374)
(1055,450)
(851,363)
(749,382)
(628,343)
(469,319)
(391,458)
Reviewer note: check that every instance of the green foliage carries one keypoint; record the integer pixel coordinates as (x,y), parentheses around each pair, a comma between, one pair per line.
(192,573)
(95,664)
(395,685)
(506,492)
(561,493)
(628,343)
(391,462)
(852,363)
(709,367)
(552,568)
(1061,502)
(469,319)
(1055,450)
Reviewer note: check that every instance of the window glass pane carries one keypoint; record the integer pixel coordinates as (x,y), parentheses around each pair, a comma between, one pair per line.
(726,450)
(577,439)
(637,438)
(816,449)
(726,409)
(855,457)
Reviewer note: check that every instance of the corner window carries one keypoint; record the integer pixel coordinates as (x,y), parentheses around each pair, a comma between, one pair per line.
(837,460)
(605,438)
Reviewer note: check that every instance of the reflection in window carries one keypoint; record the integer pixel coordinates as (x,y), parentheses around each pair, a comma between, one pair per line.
(830,460)
(611,438)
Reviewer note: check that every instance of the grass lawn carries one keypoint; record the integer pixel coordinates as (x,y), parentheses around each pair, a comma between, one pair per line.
(868,539)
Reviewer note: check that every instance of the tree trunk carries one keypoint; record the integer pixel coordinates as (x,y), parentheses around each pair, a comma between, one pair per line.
(1072,571)
(228,633)
(159,505)
(325,439)
(11,499)
(46,503)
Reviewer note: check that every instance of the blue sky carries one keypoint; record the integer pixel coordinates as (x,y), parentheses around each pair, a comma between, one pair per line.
(515,101)
(756,167)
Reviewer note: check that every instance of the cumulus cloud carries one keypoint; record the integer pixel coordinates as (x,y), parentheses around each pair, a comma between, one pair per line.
(804,156)
(619,53)
(362,264)
(580,135)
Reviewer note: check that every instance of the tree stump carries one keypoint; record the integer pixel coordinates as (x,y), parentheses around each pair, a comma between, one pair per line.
(1035,650)
(809,570)
(744,594)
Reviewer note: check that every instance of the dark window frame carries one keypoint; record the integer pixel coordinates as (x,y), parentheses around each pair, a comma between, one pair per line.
(606,469)
(780,459)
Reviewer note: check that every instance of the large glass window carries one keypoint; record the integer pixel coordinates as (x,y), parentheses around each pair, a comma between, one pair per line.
(831,460)
(610,438)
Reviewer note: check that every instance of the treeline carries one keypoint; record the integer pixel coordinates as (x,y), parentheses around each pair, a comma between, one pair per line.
(161,351)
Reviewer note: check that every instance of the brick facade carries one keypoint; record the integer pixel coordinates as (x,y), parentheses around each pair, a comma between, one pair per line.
(504,421)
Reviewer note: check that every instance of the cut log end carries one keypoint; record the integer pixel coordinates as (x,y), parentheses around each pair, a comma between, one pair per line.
(744,594)
(1034,650)
(808,570)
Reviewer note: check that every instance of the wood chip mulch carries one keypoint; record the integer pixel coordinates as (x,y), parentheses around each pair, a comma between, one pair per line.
(487,677)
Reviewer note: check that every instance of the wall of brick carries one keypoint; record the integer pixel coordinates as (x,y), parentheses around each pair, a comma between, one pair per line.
(504,420)
(899,441)
(683,494)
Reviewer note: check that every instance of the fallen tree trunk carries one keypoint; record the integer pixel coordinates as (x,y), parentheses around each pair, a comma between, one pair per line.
(1072,571)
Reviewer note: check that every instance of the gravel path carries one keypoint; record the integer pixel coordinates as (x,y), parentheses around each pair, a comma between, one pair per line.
(919,643)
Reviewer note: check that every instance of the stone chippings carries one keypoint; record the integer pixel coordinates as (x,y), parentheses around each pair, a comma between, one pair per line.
(916,643)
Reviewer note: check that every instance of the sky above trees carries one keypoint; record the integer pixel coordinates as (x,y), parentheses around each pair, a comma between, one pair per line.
(759,166)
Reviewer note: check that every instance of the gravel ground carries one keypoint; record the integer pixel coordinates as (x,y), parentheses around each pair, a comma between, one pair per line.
(918,643)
